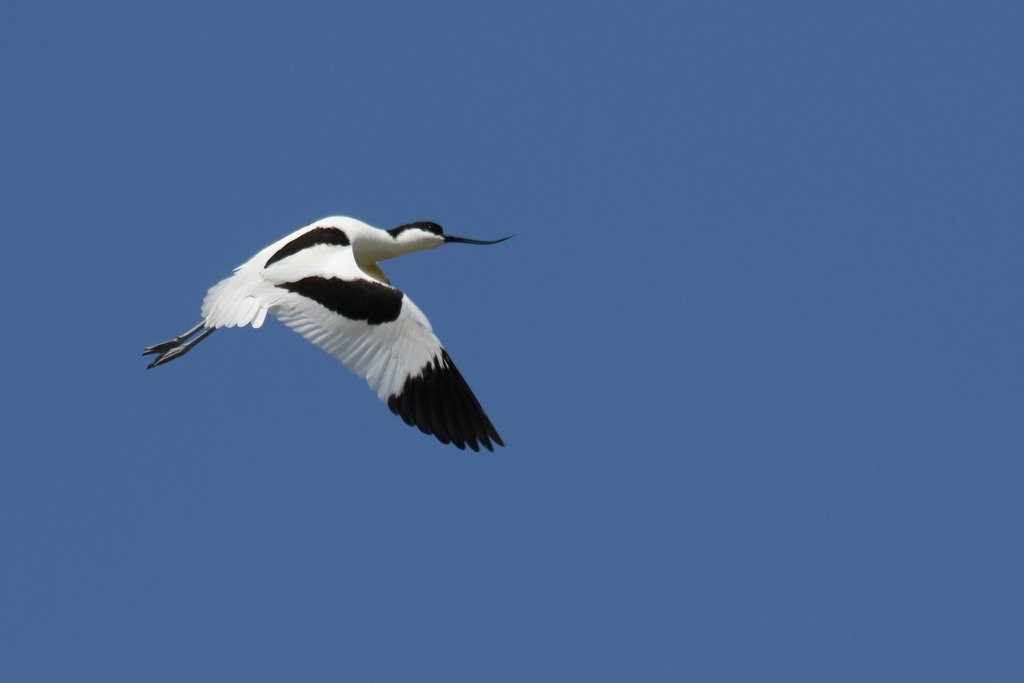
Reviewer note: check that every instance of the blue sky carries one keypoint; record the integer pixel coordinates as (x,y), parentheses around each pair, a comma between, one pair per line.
(755,349)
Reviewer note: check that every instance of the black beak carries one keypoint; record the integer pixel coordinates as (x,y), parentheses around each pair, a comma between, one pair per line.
(466,240)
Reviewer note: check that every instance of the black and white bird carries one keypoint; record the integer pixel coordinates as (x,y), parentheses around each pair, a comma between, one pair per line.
(324,281)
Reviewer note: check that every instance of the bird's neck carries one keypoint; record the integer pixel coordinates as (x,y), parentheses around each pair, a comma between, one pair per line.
(380,246)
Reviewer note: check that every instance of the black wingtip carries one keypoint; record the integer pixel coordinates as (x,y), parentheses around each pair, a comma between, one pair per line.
(439,402)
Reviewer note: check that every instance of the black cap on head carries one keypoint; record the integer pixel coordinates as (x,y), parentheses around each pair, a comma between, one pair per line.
(426,226)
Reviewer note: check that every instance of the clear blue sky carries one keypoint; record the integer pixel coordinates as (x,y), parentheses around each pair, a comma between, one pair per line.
(756,348)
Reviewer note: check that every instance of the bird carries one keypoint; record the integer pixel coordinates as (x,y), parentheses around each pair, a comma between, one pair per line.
(325,282)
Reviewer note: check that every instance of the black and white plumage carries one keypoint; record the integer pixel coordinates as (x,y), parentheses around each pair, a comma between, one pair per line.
(324,281)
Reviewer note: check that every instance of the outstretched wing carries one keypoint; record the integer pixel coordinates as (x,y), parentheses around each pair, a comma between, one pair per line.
(312,283)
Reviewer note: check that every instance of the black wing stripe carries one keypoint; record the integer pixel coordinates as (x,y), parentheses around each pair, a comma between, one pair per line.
(355,299)
(310,239)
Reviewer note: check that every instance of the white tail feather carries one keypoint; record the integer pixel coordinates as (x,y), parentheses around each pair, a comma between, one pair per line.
(230,304)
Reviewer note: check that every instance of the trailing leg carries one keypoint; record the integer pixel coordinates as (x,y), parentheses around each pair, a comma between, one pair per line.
(171,343)
(176,351)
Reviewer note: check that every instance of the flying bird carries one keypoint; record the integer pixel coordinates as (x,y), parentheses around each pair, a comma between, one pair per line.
(324,281)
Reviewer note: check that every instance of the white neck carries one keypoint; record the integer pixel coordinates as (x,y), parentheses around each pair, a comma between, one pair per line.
(378,245)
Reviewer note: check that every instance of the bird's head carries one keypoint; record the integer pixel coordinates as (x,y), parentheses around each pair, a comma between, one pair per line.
(427,235)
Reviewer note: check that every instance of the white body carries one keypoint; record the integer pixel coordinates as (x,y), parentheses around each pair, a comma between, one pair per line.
(385,354)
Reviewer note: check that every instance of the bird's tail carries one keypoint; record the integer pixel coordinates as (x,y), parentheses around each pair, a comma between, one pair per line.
(230,303)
